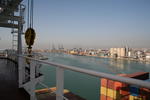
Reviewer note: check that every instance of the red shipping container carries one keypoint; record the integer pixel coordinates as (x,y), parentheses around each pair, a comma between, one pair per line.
(110,84)
(139,75)
(109,98)
(145,93)
(103,97)
(104,82)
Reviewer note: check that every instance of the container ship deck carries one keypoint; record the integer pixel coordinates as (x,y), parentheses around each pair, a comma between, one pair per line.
(18,80)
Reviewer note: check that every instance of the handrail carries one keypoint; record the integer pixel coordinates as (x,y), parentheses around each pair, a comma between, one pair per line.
(96,74)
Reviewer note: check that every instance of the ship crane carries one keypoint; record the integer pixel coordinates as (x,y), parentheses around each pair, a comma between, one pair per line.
(12,16)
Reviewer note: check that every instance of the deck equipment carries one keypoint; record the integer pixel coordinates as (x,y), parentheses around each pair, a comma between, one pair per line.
(30,32)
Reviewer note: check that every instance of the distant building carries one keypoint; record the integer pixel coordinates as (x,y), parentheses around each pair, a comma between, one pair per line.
(131,53)
(139,54)
(73,51)
(147,56)
(127,51)
(118,52)
(103,53)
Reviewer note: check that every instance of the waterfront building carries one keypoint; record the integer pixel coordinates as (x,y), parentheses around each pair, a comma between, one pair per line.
(127,51)
(118,52)
(73,51)
(129,54)
(132,53)
(139,54)
(103,53)
(147,56)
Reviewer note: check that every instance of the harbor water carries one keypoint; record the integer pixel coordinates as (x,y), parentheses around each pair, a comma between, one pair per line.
(84,85)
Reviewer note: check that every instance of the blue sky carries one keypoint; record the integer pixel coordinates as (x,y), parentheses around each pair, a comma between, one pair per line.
(90,23)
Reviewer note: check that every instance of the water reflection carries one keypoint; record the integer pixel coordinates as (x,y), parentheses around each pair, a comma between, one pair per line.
(114,66)
(117,63)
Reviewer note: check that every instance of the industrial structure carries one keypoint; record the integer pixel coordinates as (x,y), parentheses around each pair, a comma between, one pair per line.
(118,52)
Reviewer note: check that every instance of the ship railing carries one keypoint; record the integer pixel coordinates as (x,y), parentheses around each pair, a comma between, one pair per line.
(60,75)
(11,54)
(3,53)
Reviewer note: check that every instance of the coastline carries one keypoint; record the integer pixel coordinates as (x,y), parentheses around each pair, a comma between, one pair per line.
(120,58)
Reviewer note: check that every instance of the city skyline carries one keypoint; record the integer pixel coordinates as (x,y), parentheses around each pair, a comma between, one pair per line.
(89,23)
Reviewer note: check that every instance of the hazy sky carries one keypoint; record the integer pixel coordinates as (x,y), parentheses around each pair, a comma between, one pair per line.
(89,23)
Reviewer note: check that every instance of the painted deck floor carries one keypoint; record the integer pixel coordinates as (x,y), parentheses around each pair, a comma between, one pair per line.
(9,82)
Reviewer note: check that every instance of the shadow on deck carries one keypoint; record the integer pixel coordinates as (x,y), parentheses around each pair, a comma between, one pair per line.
(9,82)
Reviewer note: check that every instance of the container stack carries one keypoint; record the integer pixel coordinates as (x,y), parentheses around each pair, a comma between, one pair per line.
(135,93)
(139,93)
(114,90)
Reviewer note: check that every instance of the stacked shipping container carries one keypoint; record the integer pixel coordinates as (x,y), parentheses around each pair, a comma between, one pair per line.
(114,90)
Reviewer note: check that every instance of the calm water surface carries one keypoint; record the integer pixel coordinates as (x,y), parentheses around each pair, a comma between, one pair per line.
(84,85)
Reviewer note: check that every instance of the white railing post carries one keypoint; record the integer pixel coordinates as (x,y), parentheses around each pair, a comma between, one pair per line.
(32,80)
(21,67)
(59,83)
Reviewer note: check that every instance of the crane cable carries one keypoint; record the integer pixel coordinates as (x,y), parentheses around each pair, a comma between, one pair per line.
(30,32)
(30,13)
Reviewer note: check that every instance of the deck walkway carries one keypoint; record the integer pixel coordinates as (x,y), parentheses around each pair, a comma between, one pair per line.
(9,82)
